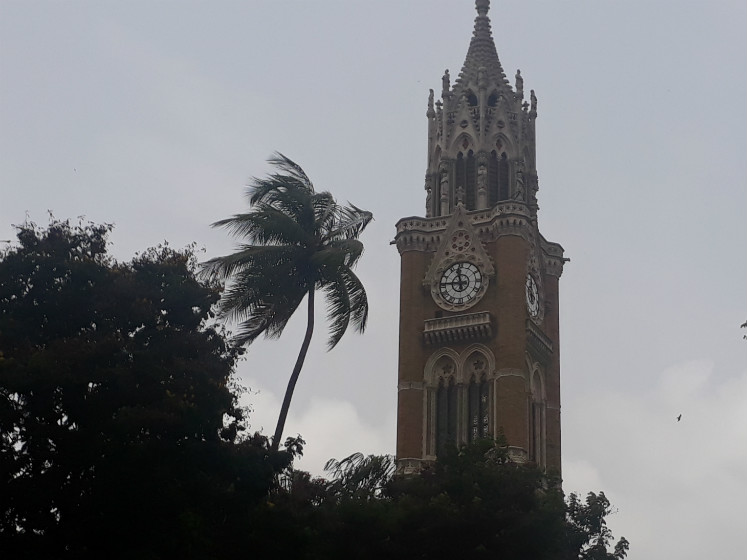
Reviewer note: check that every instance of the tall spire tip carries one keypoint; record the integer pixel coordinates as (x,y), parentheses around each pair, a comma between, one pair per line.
(482,7)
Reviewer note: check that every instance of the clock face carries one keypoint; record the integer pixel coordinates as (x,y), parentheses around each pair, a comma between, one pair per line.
(460,283)
(533,304)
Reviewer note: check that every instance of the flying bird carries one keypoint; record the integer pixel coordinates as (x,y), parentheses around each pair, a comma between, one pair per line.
(679,418)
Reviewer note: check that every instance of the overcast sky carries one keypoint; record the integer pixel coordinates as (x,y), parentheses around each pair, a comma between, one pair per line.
(153,116)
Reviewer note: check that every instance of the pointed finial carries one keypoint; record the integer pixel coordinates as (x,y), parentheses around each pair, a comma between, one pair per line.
(481,52)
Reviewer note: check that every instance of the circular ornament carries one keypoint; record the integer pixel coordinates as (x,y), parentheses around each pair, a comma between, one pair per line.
(532,293)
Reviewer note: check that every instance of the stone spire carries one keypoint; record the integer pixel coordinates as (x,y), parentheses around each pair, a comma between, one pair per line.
(482,52)
(481,143)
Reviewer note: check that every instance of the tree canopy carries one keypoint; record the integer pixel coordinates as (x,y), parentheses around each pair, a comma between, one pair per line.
(472,503)
(119,418)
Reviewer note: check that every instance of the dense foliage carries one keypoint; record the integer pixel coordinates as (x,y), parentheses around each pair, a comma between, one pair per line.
(473,503)
(118,419)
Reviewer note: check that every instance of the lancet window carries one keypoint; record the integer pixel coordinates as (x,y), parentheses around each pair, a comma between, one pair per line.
(466,178)
(446,414)
(498,178)
(537,423)
(460,396)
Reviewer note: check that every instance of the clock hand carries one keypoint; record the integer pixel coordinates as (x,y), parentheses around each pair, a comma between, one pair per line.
(460,282)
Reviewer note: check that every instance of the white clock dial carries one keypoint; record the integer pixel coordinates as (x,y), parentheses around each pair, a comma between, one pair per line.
(533,304)
(460,283)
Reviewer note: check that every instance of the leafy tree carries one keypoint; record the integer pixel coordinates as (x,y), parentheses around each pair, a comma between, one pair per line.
(472,503)
(120,433)
(294,241)
(588,534)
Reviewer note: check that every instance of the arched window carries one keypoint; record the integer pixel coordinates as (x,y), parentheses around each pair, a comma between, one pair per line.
(461,171)
(470,182)
(459,397)
(446,415)
(537,428)
(479,415)
(493,179)
(503,177)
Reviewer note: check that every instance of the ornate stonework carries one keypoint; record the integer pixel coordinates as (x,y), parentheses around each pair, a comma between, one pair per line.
(460,242)
(478,351)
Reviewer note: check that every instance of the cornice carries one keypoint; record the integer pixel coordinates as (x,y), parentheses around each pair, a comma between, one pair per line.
(457,328)
(425,234)
(553,256)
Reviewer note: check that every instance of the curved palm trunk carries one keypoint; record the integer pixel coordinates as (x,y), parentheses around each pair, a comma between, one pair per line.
(296,372)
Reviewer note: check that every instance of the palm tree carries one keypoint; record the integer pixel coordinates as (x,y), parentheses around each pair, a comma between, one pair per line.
(294,241)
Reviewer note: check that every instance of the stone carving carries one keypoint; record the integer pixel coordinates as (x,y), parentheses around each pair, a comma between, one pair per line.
(533,98)
(456,328)
(478,365)
(482,77)
(519,84)
(428,202)
(444,201)
(440,118)
(431,112)
(463,100)
(482,186)
(520,191)
(459,243)
(482,176)
(446,82)
(460,194)
(506,218)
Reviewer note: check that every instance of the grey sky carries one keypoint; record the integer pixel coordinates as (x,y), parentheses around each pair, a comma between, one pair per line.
(153,115)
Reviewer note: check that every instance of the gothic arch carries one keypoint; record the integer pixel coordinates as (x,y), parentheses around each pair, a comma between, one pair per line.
(537,409)
(506,145)
(431,373)
(472,350)
(493,98)
(458,144)
(459,396)
(537,384)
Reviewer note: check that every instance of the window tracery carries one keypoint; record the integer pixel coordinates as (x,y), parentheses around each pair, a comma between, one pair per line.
(459,398)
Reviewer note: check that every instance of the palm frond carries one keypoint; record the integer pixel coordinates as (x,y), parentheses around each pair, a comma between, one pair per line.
(338,309)
(350,224)
(264,314)
(347,303)
(358,300)
(266,226)
(250,257)
(290,176)
(326,211)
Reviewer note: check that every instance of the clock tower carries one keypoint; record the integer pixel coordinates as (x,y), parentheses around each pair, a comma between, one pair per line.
(478,331)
